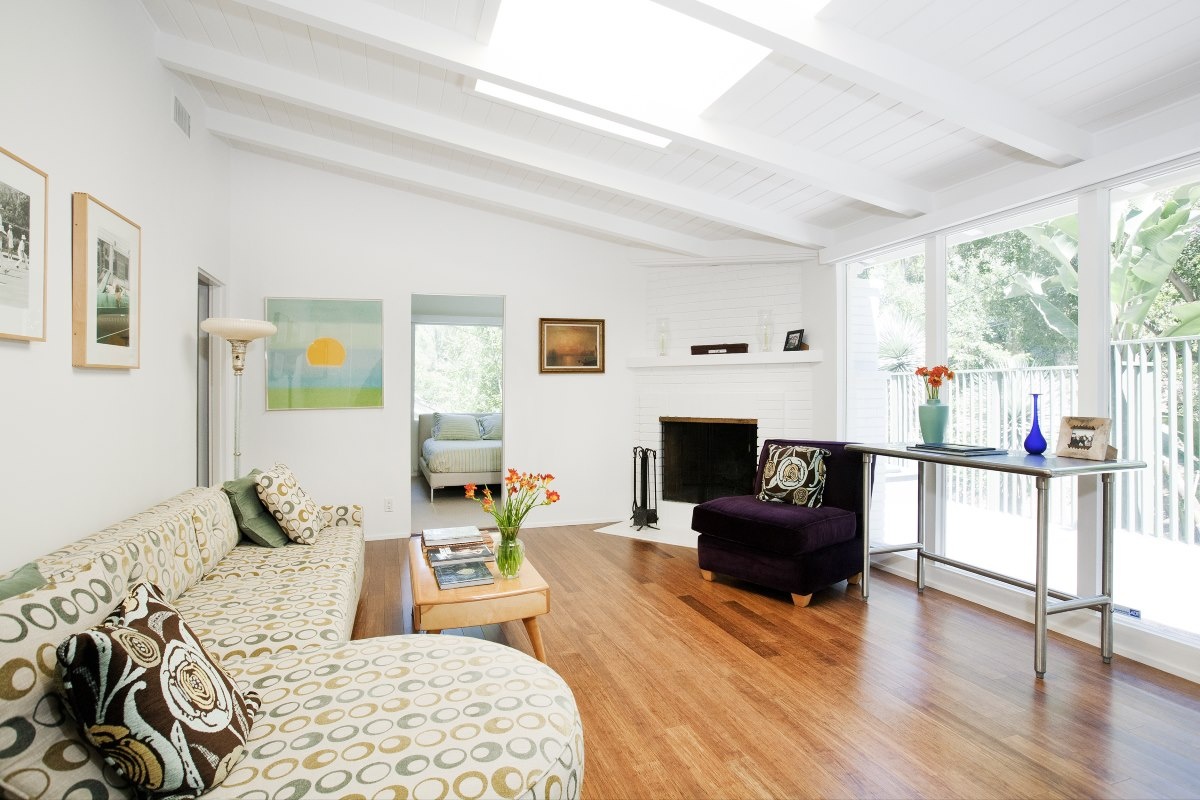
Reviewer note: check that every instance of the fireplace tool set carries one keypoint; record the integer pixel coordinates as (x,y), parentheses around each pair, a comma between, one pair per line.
(645,500)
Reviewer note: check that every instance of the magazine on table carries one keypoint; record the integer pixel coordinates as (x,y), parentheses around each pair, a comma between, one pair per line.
(960,449)
(465,534)
(456,554)
(454,576)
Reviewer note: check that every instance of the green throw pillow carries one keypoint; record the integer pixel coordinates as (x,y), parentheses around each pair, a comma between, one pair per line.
(253,519)
(21,580)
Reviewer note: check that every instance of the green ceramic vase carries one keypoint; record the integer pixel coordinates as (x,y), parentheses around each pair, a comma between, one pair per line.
(934,416)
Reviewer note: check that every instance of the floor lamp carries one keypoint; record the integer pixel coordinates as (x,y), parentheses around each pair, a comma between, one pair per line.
(239,333)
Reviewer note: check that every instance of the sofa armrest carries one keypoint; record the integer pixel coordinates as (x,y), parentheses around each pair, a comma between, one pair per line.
(342,516)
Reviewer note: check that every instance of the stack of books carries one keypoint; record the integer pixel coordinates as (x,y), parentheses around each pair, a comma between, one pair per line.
(960,449)
(459,556)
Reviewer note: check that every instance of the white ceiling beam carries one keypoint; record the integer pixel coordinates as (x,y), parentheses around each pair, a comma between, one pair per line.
(356,159)
(290,87)
(374,25)
(896,74)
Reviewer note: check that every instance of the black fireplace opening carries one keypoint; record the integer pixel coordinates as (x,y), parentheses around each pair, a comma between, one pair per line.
(708,458)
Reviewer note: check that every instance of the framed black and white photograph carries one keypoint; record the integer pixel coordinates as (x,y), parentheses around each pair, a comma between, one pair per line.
(570,345)
(23,198)
(106,307)
(794,340)
(1085,437)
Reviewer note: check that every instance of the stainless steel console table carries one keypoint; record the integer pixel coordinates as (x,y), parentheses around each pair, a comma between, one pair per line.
(1042,469)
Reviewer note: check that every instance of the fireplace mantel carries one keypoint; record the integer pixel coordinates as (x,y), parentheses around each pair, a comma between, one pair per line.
(724,359)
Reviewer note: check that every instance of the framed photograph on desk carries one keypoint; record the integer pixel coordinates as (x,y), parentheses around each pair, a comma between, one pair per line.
(1085,437)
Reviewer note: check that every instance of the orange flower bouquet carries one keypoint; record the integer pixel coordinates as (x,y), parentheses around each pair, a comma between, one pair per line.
(523,492)
(934,378)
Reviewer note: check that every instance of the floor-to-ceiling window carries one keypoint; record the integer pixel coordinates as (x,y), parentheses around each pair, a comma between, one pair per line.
(885,344)
(1011,330)
(1155,396)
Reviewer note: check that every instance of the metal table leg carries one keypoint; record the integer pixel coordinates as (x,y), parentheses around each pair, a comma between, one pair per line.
(921,526)
(866,522)
(1106,569)
(1039,595)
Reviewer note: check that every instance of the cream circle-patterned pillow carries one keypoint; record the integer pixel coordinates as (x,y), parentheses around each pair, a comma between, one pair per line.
(291,506)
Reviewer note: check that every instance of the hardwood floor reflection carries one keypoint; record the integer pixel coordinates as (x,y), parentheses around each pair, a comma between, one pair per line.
(691,689)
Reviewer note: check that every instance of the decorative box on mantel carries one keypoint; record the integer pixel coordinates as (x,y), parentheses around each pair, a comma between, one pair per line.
(725,359)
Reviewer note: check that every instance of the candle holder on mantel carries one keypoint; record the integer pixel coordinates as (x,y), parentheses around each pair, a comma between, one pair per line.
(663,331)
(764,330)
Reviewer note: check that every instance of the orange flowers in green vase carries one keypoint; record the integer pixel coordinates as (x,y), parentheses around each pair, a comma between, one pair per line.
(934,378)
(523,492)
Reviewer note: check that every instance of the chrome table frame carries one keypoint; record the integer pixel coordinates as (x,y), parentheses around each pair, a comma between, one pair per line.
(1042,469)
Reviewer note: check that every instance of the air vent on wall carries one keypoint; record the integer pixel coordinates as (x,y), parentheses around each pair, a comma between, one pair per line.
(183,119)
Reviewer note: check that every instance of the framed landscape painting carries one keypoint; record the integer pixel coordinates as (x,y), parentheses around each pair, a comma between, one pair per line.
(570,345)
(325,353)
(106,306)
(22,249)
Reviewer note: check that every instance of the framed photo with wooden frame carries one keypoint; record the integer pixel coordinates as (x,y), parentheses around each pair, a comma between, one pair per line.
(1085,437)
(570,345)
(106,307)
(23,210)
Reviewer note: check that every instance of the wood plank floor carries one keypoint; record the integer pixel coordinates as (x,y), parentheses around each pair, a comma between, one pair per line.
(691,689)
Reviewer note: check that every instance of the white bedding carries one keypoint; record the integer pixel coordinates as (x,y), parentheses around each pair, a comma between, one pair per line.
(476,455)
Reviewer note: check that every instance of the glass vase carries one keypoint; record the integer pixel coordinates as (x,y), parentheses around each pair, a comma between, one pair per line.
(510,553)
(1035,442)
(934,416)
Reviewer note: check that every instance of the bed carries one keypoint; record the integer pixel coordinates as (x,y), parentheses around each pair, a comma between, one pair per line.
(457,462)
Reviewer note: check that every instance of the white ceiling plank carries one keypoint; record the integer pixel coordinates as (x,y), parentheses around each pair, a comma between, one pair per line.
(376,26)
(232,70)
(291,142)
(487,20)
(903,77)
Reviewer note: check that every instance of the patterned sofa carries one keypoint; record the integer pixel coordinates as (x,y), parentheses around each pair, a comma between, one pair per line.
(396,716)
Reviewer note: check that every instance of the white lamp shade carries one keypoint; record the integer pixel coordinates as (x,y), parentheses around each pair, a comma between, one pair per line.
(237,330)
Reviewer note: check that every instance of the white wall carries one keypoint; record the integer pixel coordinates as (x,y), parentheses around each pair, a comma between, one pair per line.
(86,101)
(301,232)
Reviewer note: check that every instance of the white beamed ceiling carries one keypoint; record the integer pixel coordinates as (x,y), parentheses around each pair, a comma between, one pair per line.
(862,117)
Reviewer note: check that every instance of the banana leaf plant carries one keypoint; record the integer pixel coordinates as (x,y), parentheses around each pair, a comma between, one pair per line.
(1147,245)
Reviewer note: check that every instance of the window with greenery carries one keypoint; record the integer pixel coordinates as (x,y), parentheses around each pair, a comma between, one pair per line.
(1003,348)
(457,368)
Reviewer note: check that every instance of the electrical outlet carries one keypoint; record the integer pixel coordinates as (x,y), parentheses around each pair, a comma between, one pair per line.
(387,504)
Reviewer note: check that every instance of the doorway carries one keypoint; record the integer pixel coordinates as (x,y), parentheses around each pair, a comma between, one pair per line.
(205,287)
(457,380)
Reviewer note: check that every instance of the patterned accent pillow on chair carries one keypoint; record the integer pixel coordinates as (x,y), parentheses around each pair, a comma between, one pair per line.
(794,474)
(152,701)
(291,506)
(454,427)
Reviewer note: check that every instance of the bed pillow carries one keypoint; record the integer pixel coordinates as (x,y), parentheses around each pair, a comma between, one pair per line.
(489,427)
(152,701)
(794,474)
(454,427)
(291,506)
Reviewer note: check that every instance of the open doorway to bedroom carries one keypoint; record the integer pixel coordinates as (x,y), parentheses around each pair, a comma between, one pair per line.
(457,405)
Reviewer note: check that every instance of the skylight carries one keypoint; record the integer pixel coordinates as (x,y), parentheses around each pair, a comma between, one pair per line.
(565,112)
(635,57)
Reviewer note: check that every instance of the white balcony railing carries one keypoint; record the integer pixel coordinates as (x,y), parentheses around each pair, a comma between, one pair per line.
(1155,400)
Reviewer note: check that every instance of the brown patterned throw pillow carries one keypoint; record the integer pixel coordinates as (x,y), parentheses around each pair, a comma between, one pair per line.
(291,506)
(152,701)
(794,474)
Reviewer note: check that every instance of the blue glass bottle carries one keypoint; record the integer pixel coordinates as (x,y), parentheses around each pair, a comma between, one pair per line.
(1035,443)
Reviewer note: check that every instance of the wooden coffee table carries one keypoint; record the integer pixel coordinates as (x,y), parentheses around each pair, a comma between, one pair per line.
(436,610)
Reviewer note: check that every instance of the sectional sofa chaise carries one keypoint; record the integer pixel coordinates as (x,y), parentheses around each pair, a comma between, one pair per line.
(397,716)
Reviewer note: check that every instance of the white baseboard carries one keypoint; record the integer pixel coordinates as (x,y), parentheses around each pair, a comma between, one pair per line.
(1130,639)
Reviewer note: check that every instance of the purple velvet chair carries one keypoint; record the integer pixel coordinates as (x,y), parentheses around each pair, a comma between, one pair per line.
(791,548)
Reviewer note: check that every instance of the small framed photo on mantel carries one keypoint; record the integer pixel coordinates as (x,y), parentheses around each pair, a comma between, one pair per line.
(794,341)
(1086,438)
